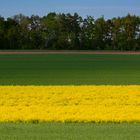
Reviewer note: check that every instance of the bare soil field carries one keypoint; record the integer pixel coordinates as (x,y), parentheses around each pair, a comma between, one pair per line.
(69,52)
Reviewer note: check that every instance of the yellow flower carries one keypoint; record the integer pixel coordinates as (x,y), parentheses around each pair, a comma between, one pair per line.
(70,103)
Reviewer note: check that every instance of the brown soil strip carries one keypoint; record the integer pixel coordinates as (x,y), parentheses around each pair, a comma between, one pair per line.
(68,52)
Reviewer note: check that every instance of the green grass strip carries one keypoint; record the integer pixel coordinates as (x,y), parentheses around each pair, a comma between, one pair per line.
(69,131)
(69,69)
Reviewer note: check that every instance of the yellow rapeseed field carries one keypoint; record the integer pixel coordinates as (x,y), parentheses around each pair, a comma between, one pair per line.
(70,103)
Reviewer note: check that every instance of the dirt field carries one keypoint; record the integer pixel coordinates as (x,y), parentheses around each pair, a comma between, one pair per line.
(68,52)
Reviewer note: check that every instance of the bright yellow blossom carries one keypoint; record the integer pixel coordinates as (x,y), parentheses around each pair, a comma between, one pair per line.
(70,103)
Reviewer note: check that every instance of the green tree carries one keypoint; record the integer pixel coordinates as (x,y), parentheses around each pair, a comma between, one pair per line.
(2,33)
(100,33)
(24,23)
(88,33)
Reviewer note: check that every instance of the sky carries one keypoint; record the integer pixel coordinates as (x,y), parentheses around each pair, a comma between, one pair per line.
(95,8)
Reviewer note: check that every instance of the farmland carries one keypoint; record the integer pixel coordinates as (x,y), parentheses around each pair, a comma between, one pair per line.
(118,71)
(69,131)
(72,69)
(70,104)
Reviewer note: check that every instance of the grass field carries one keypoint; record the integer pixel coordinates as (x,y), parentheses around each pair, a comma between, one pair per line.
(69,131)
(69,69)
(72,69)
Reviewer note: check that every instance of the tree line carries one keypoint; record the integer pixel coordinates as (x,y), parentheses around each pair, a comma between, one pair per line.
(70,32)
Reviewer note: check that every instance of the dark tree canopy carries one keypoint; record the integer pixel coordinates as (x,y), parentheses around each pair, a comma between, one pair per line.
(70,32)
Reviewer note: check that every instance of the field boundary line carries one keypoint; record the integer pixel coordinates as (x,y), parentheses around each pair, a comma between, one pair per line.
(68,52)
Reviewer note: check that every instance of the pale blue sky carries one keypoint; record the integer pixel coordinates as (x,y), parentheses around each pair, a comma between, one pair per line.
(96,8)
